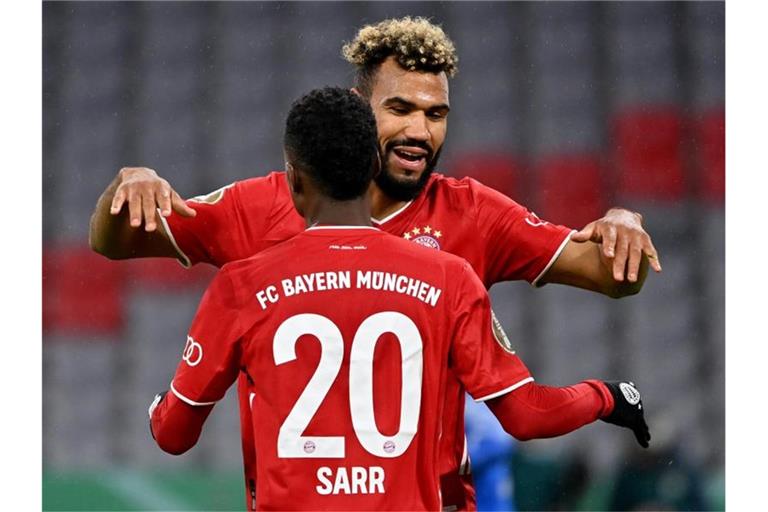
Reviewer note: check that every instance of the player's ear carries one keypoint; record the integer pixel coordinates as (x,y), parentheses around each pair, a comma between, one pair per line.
(294,179)
(296,187)
(355,90)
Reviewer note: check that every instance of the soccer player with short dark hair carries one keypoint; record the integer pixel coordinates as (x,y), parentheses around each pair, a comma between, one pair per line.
(403,67)
(349,337)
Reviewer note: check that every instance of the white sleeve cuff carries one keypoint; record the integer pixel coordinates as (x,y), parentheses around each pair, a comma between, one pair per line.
(554,258)
(182,258)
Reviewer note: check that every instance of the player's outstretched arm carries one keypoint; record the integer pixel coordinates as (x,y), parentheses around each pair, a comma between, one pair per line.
(534,411)
(610,255)
(209,365)
(125,223)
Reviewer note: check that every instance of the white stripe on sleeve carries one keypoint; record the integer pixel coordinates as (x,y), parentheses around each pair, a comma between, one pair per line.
(187,400)
(505,390)
(183,259)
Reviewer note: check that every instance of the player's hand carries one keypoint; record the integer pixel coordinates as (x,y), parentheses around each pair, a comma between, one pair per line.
(623,243)
(144,192)
(628,410)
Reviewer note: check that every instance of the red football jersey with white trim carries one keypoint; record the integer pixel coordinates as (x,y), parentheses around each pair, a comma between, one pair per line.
(348,336)
(500,239)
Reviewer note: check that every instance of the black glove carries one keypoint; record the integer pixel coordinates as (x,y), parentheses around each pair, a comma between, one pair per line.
(628,410)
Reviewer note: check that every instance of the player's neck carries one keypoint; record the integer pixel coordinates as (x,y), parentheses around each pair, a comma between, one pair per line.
(340,213)
(381,204)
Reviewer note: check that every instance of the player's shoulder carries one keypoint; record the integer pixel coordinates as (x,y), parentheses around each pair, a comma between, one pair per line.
(275,180)
(248,190)
(462,190)
(449,184)
(257,263)
(456,183)
(237,281)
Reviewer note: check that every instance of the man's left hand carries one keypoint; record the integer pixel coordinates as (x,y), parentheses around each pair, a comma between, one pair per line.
(628,410)
(623,242)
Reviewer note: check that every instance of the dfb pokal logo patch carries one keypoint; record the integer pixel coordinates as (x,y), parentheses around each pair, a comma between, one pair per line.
(501,337)
(426,236)
(212,197)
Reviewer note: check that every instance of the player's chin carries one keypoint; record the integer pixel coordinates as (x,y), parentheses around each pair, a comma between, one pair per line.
(405,177)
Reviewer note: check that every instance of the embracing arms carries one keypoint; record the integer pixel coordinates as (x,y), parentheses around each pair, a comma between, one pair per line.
(610,255)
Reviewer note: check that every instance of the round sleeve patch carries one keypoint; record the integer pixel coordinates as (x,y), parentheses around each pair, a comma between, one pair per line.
(212,197)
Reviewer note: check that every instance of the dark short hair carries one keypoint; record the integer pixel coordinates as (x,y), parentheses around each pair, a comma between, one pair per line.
(331,134)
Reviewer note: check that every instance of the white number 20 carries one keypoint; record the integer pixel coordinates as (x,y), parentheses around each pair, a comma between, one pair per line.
(291,443)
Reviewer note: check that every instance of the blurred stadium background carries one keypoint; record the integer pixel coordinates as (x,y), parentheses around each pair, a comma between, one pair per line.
(568,108)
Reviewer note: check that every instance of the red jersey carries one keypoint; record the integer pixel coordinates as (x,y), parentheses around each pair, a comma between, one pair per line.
(500,239)
(348,337)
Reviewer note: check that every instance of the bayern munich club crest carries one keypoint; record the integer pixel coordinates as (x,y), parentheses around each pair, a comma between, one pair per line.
(426,236)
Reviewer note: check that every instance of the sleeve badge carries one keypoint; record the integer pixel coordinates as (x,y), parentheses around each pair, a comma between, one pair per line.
(501,337)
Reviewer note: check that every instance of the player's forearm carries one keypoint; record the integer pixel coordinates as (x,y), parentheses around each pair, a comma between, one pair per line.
(599,271)
(176,426)
(583,265)
(106,230)
(535,412)
(111,235)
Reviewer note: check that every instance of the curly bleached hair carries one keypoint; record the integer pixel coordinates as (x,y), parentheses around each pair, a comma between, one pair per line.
(416,43)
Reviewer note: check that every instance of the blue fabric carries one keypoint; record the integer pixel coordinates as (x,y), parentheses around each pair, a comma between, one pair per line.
(490,452)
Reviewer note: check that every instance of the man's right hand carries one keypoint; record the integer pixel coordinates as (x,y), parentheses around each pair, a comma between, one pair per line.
(144,192)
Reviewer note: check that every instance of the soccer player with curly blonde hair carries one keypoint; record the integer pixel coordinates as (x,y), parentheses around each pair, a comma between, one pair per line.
(403,69)
(415,43)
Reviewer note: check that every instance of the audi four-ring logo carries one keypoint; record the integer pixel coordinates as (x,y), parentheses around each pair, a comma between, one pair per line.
(193,352)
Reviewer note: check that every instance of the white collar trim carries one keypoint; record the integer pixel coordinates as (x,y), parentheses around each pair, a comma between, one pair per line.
(313,228)
(393,214)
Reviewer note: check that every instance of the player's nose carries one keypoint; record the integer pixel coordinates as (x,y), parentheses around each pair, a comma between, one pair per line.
(417,127)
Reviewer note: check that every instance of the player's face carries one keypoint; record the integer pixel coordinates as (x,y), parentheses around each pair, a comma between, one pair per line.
(411,109)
